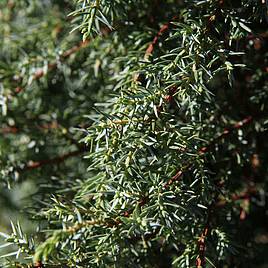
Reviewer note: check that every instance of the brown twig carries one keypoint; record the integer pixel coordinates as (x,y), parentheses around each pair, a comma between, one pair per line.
(56,160)
(163,29)
(244,195)
(201,259)
(226,132)
(176,177)
(9,130)
(201,243)
(205,149)
(16,129)
(39,73)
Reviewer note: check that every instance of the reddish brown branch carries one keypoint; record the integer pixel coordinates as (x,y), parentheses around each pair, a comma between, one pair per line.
(244,195)
(205,149)
(40,72)
(179,175)
(52,161)
(9,130)
(176,177)
(226,132)
(15,129)
(201,259)
(163,29)
(201,244)
(74,49)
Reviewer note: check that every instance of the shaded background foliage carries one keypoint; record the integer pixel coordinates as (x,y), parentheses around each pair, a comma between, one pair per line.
(142,144)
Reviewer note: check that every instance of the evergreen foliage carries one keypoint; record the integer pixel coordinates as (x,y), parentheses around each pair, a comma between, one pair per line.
(142,132)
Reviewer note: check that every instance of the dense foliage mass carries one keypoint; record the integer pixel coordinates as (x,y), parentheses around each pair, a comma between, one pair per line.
(141,127)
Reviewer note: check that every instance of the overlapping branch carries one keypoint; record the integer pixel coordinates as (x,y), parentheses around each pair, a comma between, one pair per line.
(39,73)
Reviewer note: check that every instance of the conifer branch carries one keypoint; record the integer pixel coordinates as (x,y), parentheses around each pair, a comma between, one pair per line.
(226,132)
(162,30)
(17,130)
(9,130)
(39,73)
(205,149)
(201,245)
(52,161)
(159,154)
